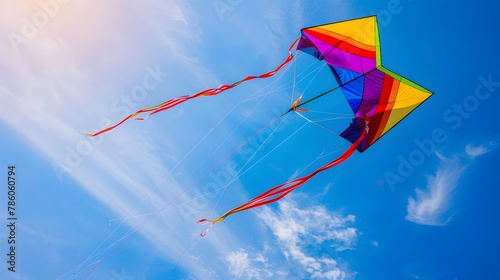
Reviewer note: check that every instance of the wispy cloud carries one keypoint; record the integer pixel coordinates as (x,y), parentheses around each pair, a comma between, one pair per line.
(474,151)
(431,205)
(243,266)
(314,227)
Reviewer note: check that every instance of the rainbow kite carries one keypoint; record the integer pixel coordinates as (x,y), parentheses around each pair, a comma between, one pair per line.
(378,97)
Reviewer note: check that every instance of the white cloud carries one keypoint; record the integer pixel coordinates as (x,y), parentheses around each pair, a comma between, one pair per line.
(431,205)
(474,151)
(299,230)
(239,264)
(242,266)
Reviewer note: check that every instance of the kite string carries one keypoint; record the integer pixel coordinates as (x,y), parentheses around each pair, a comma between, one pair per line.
(182,255)
(340,115)
(270,91)
(294,83)
(129,215)
(245,171)
(220,162)
(317,72)
(244,165)
(232,132)
(317,124)
(131,232)
(92,255)
(232,181)
(225,187)
(171,201)
(302,76)
(149,194)
(314,77)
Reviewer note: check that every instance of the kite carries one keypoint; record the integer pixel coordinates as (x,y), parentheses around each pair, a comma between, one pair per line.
(378,97)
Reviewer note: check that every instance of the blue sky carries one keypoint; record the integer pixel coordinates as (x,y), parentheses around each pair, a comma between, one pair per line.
(419,204)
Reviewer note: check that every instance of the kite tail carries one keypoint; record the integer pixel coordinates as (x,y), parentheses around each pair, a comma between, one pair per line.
(280,191)
(208,92)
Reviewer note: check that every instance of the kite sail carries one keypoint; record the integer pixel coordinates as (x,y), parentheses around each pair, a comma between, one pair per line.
(378,97)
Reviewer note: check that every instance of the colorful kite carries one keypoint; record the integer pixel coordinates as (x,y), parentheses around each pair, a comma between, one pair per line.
(378,97)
